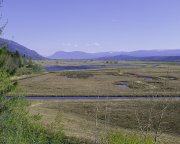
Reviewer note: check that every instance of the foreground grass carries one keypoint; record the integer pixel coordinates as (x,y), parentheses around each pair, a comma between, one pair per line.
(121,138)
(91,120)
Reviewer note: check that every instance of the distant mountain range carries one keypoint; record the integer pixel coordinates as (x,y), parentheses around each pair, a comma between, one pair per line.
(13,46)
(81,55)
(148,58)
(146,55)
(150,53)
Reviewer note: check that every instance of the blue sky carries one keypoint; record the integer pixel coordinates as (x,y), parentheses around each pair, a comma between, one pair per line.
(93,25)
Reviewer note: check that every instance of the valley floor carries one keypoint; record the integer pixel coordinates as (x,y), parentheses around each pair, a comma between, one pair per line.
(134,79)
(91,120)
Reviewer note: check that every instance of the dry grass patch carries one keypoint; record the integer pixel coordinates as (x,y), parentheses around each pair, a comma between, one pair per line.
(79,117)
(102,81)
(76,74)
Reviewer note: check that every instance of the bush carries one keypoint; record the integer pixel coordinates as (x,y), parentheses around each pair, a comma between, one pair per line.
(10,61)
(16,126)
(13,62)
(132,138)
(56,132)
(36,68)
(5,84)
(24,71)
(28,70)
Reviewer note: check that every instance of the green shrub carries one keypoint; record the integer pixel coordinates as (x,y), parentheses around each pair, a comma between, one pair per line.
(28,70)
(24,71)
(10,61)
(14,63)
(57,134)
(132,138)
(36,68)
(16,126)
(5,84)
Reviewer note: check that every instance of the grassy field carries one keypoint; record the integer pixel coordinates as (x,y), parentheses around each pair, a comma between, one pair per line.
(164,80)
(91,120)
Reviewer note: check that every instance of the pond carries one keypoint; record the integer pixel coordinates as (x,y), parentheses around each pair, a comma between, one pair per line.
(147,78)
(71,98)
(81,67)
(122,85)
(170,77)
(84,67)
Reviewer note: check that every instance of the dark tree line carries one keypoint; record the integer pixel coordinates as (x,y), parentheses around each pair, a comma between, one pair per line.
(11,62)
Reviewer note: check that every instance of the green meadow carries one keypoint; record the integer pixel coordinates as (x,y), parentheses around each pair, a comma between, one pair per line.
(130,121)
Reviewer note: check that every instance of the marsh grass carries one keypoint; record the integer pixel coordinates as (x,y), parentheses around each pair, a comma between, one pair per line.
(94,120)
(102,81)
(131,138)
(76,74)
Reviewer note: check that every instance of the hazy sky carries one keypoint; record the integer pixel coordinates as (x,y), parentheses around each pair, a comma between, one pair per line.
(93,25)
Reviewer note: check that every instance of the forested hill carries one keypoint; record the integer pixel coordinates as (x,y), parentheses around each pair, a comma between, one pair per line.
(23,51)
(13,62)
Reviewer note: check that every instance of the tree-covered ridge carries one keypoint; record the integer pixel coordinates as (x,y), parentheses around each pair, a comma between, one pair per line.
(9,61)
(14,63)
(23,51)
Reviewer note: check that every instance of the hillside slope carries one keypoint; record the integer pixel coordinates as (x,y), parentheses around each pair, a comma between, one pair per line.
(13,46)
